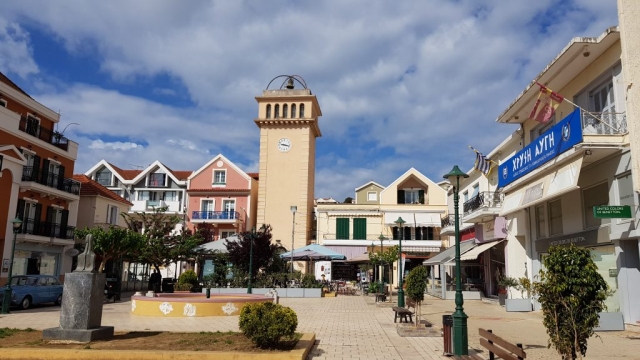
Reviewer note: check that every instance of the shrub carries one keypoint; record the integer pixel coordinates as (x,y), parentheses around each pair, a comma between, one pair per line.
(309,281)
(188,277)
(507,282)
(182,287)
(267,323)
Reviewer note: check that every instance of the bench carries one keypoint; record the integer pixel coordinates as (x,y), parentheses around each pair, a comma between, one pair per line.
(380,297)
(402,313)
(496,346)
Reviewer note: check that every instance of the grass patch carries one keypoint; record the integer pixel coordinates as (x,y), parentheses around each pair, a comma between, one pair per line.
(5,332)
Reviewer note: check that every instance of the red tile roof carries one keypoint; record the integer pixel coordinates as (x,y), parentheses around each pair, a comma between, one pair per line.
(6,80)
(131,174)
(218,190)
(89,187)
(182,174)
(254,175)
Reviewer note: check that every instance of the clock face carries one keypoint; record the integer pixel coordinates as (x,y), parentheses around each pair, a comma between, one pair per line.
(284,144)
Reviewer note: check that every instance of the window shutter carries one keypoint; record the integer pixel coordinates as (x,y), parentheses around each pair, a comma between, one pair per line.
(48,228)
(419,232)
(342,228)
(20,210)
(421,196)
(64,219)
(400,196)
(45,172)
(37,218)
(35,170)
(360,229)
(61,177)
(396,233)
(407,233)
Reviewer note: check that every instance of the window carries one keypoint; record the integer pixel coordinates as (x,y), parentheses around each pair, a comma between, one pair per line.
(541,222)
(29,156)
(293,110)
(219,177)
(157,180)
(359,229)
(206,205)
(342,228)
(541,129)
(301,111)
(465,196)
(277,111)
(112,215)
(396,233)
(555,217)
(229,208)
(146,195)
(118,192)
(476,190)
(625,190)
(268,111)
(411,197)
(32,126)
(103,177)
(170,196)
(3,103)
(424,233)
(594,196)
(54,174)
(226,234)
(285,111)
(372,196)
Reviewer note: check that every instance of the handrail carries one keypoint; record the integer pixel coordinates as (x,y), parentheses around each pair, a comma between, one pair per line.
(483,199)
(215,215)
(33,128)
(30,173)
(48,229)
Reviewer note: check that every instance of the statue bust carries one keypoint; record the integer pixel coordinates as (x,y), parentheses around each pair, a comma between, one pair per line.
(86,260)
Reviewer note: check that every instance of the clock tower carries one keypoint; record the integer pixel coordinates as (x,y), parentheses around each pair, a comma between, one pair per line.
(288,122)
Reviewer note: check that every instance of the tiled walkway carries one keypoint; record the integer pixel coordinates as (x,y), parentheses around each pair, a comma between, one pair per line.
(346,327)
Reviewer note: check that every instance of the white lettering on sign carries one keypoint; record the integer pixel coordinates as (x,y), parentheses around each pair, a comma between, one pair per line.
(522,159)
(545,143)
(573,240)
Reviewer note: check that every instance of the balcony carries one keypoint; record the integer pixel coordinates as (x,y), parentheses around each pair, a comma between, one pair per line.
(42,231)
(430,245)
(608,123)
(482,207)
(448,224)
(214,216)
(33,128)
(36,175)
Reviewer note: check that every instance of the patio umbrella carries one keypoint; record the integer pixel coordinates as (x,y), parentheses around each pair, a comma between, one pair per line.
(307,255)
(218,245)
(319,249)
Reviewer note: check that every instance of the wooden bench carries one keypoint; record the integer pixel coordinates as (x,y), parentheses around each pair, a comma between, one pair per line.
(380,297)
(496,346)
(402,313)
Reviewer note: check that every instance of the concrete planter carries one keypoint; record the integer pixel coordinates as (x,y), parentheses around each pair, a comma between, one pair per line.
(295,292)
(519,305)
(282,292)
(312,293)
(610,321)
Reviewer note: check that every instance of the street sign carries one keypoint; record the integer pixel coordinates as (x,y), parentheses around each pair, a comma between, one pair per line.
(612,212)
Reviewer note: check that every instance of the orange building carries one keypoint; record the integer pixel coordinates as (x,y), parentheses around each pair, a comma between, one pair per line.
(36,186)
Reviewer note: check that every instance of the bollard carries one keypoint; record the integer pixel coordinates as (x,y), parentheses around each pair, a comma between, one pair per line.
(447,335)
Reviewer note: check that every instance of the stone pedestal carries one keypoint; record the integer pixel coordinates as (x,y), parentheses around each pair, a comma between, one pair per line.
(81,312)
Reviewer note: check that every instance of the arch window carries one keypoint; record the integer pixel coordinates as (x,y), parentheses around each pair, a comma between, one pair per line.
(277,111)
(301,110)
(285,111)
(293,110)
(268,111)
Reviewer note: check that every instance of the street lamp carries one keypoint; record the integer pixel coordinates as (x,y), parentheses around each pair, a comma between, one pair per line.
(400,222)
(460,337)
(8,292)
(293,232)
(251,236)
(381,269)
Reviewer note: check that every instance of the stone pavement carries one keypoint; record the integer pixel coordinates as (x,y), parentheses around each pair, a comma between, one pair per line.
(353,327)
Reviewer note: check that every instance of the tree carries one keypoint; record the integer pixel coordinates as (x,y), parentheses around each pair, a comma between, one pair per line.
(163,244)
(416,286)
(572,293)
(348,200)
(112,243)
(388,256)
(263,250)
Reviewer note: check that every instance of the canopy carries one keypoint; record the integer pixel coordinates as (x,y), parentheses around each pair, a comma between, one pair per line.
(218,245)
(417,218)
(449,254)
(306,255)
(476,251)
(315,248)
(360,259)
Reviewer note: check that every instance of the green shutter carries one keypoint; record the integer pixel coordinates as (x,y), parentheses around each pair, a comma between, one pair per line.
(400,197)
(421,196)
(360,229)
(342,228)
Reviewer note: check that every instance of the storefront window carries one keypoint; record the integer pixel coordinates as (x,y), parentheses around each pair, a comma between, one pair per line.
(35,263)
(625,190)
(594,196)
(555,217)
(605,259)
(541,222)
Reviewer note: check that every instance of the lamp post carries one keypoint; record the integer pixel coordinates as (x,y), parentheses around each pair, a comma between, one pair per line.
(460,337)
(251,236)
(8,291)
(381,270)
(293,233)
(400,222)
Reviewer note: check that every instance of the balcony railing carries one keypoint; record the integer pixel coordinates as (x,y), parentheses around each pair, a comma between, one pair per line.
(33,128)
(485,199)
(30,173)
(47,229)
(607,123)
(215,215)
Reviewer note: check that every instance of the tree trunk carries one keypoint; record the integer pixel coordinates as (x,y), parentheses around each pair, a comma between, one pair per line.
(390,285)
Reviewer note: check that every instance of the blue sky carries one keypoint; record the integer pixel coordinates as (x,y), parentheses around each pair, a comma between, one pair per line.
(400,85)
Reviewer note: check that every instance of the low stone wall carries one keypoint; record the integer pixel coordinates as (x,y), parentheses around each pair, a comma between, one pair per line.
(282,292)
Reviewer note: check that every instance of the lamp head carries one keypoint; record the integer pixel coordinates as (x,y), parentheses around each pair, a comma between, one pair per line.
(381,237)
(455,173)
(17,223)
(400,222)
(294,209)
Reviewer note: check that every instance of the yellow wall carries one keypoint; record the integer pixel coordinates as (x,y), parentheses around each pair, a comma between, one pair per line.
(434,194)
(361,195)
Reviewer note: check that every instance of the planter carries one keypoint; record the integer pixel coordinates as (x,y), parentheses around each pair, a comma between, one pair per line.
(502,298)
(295,292)
(312,293)
(519,305)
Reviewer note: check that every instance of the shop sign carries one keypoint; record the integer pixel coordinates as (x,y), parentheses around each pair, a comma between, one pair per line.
(582,239)
(5,265)
(558,139)
(612,212)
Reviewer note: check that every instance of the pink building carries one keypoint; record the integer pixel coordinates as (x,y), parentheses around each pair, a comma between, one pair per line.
(222,199)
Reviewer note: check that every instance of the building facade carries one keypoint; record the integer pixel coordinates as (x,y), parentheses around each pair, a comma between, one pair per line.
(99,206)
(36,186)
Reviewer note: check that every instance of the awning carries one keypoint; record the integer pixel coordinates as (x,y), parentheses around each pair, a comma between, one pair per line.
(476,251)
(559,182)
(450,253)
(317,249)
(413,219)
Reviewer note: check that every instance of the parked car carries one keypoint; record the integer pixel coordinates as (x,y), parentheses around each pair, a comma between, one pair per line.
(35,289)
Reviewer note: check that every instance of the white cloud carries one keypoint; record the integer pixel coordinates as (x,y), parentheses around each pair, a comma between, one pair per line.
(15,50)
(116,145)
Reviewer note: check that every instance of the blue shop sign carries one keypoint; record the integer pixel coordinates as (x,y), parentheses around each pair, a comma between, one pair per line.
(560,138)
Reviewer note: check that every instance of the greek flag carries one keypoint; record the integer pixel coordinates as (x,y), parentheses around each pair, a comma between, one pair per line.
(483,164)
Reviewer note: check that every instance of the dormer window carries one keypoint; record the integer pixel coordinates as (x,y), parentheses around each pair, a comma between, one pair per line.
(293,110)
(268,111)
(103,177)
(410,196)
(157,180)
(219,177)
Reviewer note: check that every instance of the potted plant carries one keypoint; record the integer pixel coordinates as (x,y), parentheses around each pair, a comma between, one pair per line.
(523,304)
(503,286)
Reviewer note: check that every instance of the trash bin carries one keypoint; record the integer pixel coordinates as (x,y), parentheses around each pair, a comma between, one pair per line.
(447,334)
(167,285)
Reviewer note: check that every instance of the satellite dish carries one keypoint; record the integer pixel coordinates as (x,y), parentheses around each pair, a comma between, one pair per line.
(72,252)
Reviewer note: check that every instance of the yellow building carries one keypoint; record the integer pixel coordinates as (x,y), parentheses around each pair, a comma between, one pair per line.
(288,122)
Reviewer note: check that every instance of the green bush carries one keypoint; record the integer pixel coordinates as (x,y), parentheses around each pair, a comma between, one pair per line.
(417,283)
(309,281)
(188,277)
(267,323)
(182,287)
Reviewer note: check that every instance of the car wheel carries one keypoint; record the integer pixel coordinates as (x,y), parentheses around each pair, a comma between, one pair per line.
(25,303)
(59,300)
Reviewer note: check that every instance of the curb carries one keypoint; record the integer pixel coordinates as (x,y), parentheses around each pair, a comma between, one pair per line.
(299,352)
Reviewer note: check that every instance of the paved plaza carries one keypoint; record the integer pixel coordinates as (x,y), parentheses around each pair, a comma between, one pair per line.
(353,327)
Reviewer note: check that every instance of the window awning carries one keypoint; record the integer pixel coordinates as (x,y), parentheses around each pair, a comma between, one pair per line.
(413,219)
(559,182)
(450,253)
(476,251)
